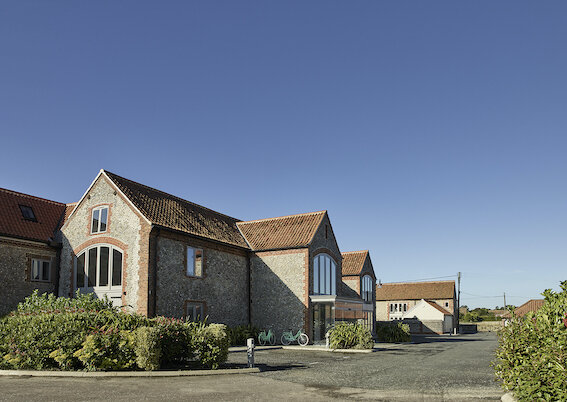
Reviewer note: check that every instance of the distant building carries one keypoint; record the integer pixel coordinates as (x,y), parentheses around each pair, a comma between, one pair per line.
(529,306)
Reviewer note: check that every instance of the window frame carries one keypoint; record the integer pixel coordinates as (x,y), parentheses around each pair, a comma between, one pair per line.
(324,275)
(110,269)
(99,209)
(193,304)
(27,209)
(40,262)
(367,292)
(198,256)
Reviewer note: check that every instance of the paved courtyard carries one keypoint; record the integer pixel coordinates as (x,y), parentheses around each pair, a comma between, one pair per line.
(436,368)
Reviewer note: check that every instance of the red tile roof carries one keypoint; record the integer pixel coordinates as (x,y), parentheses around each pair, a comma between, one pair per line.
(438,307)
(353,262)
(416,290)
(531,305)
(49,215)
(283,232)
(171,212)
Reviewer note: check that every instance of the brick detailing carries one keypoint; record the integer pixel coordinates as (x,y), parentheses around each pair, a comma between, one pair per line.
(108,219)
(143,269)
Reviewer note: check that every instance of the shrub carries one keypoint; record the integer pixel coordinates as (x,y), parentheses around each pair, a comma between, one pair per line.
(350,336)
(48,303)
(393,332)
(147,348)
(238,335)
(175,340)
(532,351)
(210,343)
(107,350)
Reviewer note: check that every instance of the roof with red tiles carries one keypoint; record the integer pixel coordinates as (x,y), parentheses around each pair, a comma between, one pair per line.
(175,213)
(48,216)
(416,290)
(438,307)
(292,231)
(532,305)
(353,262)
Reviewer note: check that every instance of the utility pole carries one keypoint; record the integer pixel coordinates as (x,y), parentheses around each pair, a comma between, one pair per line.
(504,300)
(458,302)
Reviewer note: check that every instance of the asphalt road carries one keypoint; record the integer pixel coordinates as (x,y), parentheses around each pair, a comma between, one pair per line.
(440,369)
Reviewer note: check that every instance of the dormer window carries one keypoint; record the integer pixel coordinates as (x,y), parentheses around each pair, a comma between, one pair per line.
(27,213)
(99,219)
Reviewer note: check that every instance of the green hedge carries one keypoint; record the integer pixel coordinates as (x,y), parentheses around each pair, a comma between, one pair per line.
(239,334)
(393,332)
(350,336)
(532,351)
(85,333)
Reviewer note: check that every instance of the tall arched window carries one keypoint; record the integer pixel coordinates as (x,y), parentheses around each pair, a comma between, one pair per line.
(324,275)
(367,288)
(99,267)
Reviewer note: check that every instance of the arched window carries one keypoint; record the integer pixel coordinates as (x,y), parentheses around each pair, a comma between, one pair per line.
(367,288)
(99,266)
(324,275)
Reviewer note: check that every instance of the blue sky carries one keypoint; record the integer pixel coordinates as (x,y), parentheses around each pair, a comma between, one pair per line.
(432,132)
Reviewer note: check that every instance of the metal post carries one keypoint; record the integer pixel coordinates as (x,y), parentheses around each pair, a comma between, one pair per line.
(250,351)
(327,340)
(459,303)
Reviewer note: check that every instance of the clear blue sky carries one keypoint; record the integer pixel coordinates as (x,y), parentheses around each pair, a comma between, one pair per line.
(433,132)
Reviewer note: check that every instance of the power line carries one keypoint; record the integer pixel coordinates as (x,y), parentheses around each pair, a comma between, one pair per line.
(426,279)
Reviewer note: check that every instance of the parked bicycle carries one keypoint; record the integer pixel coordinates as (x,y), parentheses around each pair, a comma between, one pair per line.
(288,337)
(267,337)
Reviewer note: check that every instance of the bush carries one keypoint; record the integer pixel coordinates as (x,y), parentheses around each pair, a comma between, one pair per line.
(394,332)
(210,343)
(49,303)
(238,335)
(532,351)
(147,347)
(350,336)
(175,340)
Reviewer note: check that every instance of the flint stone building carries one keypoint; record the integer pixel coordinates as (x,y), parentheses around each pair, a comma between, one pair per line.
(156,254)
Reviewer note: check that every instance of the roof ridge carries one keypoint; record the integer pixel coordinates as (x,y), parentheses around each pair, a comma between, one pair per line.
(31,196)
(282,217)
(170,195)
(352,252)
(410,283)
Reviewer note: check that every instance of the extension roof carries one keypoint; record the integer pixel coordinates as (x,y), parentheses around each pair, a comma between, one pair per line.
(353,262)
(531,305)
(292,231)
(416,290)
(175,213)
(437,307)
(49,214)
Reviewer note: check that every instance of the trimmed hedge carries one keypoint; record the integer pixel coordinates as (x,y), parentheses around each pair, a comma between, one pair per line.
(346,335)
(46,332)
(394,332)
(532,351)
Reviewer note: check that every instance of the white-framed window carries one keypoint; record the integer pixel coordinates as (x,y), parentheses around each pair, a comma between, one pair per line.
(99,222)
(40,270)
(194,261)
(194,311)
(324,275)
(367,286)
(99,266)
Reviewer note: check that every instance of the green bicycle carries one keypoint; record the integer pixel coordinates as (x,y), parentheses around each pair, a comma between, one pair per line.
(267,337)
(288,337)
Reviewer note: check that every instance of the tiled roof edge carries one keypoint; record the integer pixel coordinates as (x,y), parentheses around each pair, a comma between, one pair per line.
(281,217)
(31,196)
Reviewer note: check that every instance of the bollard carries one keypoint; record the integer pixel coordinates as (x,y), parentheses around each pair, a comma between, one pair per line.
(250,351)
(327,340)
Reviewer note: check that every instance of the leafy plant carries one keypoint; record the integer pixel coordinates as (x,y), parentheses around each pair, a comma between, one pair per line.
(393,332)
(532,351)
(350,336)
(238,335)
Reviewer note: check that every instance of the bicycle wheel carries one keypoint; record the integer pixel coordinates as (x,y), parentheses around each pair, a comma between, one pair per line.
(303,340)
(261,340)
(272,339)
(285,340)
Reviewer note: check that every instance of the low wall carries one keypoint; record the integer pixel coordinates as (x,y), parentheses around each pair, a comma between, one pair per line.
(482,326)
(418,327)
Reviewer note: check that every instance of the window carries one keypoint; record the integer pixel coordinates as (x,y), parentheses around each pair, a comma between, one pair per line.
(367,288)
(40,270)
(324,275)
(99,266)
(194,311)
(99,220)
(194,261)
(446,304)
(27,213)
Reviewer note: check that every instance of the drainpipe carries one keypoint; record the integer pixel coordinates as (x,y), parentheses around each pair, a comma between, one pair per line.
(249,283)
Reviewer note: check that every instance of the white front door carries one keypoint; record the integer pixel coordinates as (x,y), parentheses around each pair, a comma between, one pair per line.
(99,270)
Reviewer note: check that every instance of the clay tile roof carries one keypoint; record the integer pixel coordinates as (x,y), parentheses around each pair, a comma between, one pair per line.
(171,212)
(353,262)
(438,307)
(48,216)
(284,232)
(531,305)
(416,290)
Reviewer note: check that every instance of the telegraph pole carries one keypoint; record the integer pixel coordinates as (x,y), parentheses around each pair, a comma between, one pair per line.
(458,302)
(504,300)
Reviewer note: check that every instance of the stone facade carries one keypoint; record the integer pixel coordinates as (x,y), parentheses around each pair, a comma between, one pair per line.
(15,268)
(278,283)
(124,231)
(223,287)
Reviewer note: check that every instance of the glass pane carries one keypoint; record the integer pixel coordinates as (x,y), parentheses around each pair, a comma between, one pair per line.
(198,262)
(316,276)
(190,261)
(328,275)
(45,271)
(116,268)
(81,271)
(322,275)
(103,267)
(103,217)
(333,278)
(91,270)
(35,270)
(190,312)
(94,228)
(198,313)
